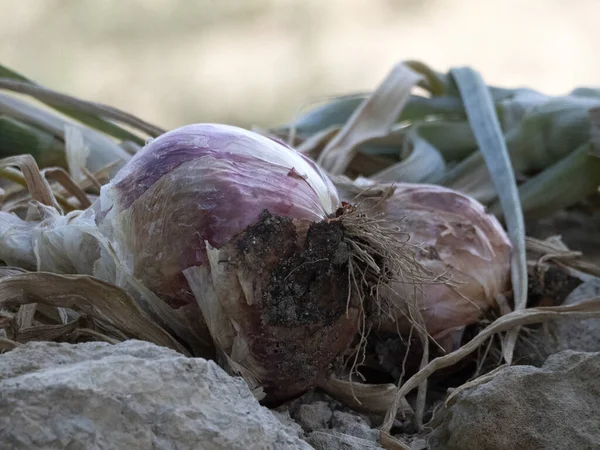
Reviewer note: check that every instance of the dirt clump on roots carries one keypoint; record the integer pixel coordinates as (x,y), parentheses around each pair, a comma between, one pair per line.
(306,276)
(300,310)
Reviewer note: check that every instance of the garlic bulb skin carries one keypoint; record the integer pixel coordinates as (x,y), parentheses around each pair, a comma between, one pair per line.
(452,235)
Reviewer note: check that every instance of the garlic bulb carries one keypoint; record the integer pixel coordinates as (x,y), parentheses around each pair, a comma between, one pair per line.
(199,184)
(452,236)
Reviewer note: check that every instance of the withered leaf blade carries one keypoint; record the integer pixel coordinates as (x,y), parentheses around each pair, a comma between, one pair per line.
(37,185)
(528,316)
(368,398)
(62,177)
(373,119)
(46,332)
(7,344)
(89,295)
(553,249)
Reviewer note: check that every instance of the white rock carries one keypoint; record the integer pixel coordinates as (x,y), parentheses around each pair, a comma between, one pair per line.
(133,395)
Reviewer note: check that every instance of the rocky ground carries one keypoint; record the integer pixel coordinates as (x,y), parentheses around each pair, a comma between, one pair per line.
(136,395)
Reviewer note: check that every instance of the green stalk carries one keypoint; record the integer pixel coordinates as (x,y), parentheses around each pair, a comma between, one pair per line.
(103,149)
(17,138)
(562,185)
(339,110)
(453,139)
(547,133)
(486,127)
(84,117)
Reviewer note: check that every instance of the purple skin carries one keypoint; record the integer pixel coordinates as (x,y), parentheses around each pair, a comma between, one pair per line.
(164,155)
(175,148)
(185,188)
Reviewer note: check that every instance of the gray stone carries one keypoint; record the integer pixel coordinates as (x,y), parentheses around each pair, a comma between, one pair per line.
(329,424)
(353,425)
(133,395)
(562,334)
(313,416)
(579,334)
(556,406)
(333,440)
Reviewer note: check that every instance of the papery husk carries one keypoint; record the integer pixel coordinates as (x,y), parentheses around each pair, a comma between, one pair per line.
(73,244)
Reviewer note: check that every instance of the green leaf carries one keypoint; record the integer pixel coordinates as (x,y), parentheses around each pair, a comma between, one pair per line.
(103,150)
(86,118)
(486,128)
(17,138)
(561,185)
(339,110)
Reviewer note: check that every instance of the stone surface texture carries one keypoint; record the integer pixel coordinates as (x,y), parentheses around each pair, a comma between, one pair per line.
(133,395)
(556,406)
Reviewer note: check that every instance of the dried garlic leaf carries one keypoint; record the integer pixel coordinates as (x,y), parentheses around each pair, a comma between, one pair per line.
(24,317)
(46,332)
(62,177)
(368,398)
(584,310)
(374,118)
(36,184)
(77,152)
(555,250)
(389,442)
(94,297)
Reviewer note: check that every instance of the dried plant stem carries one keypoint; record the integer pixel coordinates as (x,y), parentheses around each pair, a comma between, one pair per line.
(91,178)
(368,398)
(586,309)
(7,345)
(91,296)
(17,177)
(62,177)
(389,442)
(37,185)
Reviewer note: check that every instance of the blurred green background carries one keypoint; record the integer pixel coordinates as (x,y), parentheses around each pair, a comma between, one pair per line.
(256,62)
